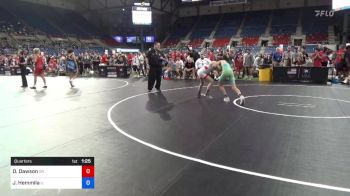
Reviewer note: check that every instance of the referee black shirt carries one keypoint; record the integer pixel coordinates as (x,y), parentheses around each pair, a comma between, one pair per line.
(154,57)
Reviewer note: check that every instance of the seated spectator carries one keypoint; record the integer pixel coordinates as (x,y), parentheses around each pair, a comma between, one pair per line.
(179,67)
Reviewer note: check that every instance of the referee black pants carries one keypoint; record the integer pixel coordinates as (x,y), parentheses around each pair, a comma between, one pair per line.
(23,75)
(154,76)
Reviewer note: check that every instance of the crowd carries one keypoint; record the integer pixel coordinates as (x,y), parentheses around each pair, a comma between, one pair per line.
(246,62)
(182,64)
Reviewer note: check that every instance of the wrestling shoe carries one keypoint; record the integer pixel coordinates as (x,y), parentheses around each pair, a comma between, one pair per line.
(227,99)
(209,96)
(241,100)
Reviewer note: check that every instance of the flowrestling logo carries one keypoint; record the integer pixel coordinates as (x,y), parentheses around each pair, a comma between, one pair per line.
(324,13)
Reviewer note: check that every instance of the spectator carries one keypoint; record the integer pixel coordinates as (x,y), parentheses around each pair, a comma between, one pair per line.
(193,54)
(317,58)
(347,64)
(142,64)
(287,57)
(259,60)
(277,57)
(267,60)
(339,61)
(238,61)
(325,59)
(189,70)
(248,63)
(136,64)
(179,67)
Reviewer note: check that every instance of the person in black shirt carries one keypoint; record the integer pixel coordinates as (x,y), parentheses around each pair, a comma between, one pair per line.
(193,54)
(23,67)
(156,59)
(190,69)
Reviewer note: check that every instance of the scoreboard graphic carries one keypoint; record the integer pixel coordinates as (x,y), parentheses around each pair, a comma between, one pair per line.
(52,173)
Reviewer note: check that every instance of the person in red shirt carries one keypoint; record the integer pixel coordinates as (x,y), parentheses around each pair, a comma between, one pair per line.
(211,56)
(317,58)
(104,59)
(130,57)
(325,57)
(173,54)
(339,61)
(39,67)
(238,62)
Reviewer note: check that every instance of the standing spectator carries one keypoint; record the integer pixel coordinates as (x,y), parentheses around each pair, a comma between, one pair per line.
(211,56)
(297,57)
(347,64)
(193,54)
(287,57)
(325,57)
(23,67)
(305,60)
(87,63)
(142,64)
(104,59)
(317,57)
(248,62)
(155,58)
(38,60)
(146,67)
(277,57)
(339,61)
(136,64)
(96,61)
(130,56)
(238,61)
(80,63)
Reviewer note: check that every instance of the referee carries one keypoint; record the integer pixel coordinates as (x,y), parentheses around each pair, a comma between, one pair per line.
(22,65)
(155,59)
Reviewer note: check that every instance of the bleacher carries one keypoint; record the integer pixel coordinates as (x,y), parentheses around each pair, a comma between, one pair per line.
(205,26)
(221,42)
(255,24)
(23,10)
(284,22)
(281,39)
(171,43)
(229,25)
(315,27)
(196,43)
(250,41)
(182,27)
